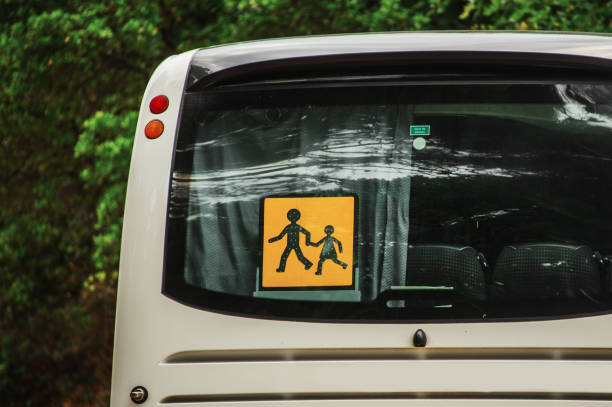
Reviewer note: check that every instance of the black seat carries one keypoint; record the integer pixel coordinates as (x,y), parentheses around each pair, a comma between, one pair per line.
(455,266)
(546,271)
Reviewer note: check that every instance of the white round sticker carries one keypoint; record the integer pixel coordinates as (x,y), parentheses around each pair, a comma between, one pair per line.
(419,143)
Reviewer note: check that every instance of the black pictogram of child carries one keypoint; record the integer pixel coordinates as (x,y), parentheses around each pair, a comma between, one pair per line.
(329,250)
(292,231)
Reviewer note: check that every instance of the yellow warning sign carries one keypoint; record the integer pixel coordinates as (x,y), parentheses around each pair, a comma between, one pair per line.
(308,241)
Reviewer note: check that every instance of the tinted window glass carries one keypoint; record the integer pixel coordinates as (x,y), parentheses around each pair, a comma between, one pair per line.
(393,202)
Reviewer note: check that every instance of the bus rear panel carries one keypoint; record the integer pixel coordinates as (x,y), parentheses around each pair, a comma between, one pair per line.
(382,219)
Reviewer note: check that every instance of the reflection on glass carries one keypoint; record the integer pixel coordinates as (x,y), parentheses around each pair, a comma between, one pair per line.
(504,166)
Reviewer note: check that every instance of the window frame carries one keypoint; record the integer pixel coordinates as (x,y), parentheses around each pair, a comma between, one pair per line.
(564,70)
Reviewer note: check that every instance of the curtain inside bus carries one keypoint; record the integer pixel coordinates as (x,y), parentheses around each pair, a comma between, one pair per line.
(245,154)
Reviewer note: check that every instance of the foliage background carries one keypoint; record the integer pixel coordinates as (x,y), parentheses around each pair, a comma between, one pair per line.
(71,77)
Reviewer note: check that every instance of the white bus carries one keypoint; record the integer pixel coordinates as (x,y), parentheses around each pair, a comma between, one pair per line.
(414,219)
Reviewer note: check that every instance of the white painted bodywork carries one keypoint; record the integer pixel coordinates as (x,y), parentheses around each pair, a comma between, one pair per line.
(177,351)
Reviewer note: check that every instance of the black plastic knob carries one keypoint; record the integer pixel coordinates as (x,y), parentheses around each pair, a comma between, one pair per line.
(420,339)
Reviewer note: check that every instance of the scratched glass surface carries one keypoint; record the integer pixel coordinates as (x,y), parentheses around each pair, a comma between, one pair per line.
(488,176)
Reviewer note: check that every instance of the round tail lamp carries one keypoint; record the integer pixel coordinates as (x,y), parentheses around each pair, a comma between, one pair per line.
(158,104)
(154,129)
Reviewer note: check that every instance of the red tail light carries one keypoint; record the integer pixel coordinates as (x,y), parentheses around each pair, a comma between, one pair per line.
(159,104)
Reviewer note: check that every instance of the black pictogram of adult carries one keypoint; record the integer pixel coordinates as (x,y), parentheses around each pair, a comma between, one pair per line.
(292,231)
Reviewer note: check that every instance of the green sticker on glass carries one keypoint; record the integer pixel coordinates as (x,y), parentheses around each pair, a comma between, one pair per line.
(419,130)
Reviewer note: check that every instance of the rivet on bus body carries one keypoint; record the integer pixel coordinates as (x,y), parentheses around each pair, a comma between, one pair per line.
(420,339)
(139,394)
(154,129)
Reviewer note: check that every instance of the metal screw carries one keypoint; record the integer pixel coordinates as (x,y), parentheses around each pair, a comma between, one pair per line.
(139,394)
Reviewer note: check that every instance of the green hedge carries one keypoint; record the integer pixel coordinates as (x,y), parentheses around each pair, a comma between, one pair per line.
(71,77)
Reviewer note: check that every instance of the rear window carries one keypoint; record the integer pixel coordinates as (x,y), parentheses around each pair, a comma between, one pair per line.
(393,201)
